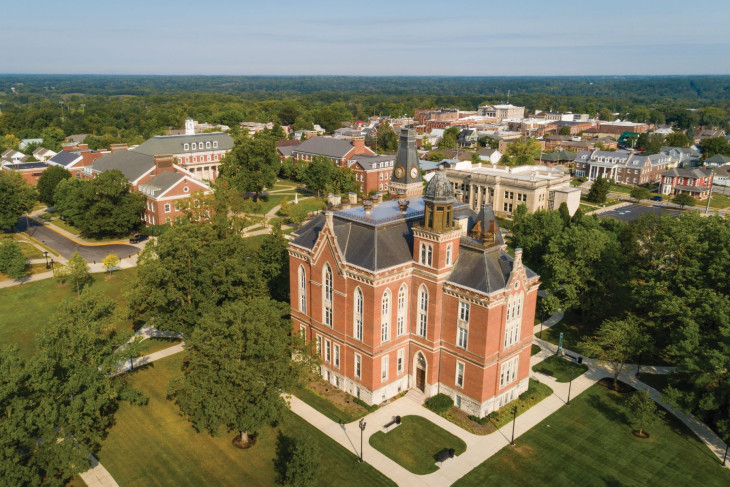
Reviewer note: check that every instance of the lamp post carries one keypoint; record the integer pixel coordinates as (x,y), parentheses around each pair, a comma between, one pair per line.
(362,425)
(570,385)
(45,254)
(51,263)
(514,420)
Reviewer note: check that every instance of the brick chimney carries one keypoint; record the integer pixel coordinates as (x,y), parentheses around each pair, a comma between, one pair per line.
(68,147)
(82,147)
(359,144)
(116,147)
(164,162)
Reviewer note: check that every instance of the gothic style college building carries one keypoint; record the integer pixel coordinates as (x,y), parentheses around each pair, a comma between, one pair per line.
(416,292)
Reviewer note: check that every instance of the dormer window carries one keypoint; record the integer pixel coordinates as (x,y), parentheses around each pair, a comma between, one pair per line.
(194,145)
(186,146)
(215,144)
(207,145)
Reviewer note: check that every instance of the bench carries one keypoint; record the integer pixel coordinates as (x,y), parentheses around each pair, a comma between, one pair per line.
(393,423)
(445,454)
(578,359)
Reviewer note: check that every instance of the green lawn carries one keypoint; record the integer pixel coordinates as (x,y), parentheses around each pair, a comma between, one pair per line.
(560,368)
(718,201)
(152,345)
(72,229)
(573,332)
(330,409)
(415,444)
(311,204)
(535,349)
(590,443)
(617,188)
(28,250)
(27,309)
(269,202)
(154,445)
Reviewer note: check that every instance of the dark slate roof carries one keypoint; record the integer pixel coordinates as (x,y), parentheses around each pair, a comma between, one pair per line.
(719,158)
(688,173)
(561,155)
(163,181)
(325,146)
(65,158)
(25,166)
(286,150)
(483,271)
(174,144)
(133,164)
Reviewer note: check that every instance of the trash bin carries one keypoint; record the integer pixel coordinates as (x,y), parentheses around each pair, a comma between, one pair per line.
(580,359)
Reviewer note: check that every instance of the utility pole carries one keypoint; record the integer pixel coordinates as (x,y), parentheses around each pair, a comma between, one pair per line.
(712,180)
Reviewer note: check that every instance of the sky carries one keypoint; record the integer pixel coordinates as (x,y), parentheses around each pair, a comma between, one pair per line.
(371,37)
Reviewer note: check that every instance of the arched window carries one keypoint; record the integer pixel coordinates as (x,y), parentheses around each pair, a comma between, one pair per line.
(358,314)
(448,254)
(327,295)
(193,145)
(402,304)
(422,311)
(426,254)
(385,317)
(514,320)
(302,290)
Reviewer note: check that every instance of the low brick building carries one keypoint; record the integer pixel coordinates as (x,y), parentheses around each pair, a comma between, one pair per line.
(373,173)
(695,182)
(622,166)
(339,151)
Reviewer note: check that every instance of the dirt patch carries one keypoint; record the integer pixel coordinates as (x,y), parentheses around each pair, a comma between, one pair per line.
(461,418)
(640,434)
(525,451)
(339,398)
(244,445)
(621,387)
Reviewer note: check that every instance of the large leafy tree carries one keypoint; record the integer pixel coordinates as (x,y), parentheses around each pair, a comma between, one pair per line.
(12,260)
(642,410)
(48,181)
(533,232)
(616,342)
(239,364)
(16,198)
(522,152)
(273,259)
(684,199)
(677,139)
(252,164)
(715,145)
(58,405)
(191,269)
(102,207)
(599,190)
(387,138)
(319,174)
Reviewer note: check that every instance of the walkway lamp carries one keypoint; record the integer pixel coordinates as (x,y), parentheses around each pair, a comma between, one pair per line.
(362,425)
(570,385)
(514,420)
(45,254)
(725,457)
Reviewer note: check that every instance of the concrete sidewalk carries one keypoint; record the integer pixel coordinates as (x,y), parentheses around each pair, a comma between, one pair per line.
(97,475)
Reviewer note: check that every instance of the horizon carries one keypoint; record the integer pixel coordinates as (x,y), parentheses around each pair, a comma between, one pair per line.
(408,38)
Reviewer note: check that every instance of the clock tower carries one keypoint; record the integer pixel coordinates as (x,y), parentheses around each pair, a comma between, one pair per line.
(406,171)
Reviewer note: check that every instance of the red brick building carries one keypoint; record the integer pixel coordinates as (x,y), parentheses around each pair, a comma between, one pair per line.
(340,151)
(415,293)
(695,182)
(30,171)
(373,173)
(621,166)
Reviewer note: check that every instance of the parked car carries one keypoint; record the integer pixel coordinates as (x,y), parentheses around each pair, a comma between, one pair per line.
(140,237)
(657,198)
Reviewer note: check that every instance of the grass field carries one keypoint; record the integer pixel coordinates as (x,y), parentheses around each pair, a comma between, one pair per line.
(560,368)
(415,444)
(590,443)
(718,201)
(330,409)
(154,446)
(72,229)
(26,309)
(29,251)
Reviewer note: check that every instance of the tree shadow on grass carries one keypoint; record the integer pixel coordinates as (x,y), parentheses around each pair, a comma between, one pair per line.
(610,406)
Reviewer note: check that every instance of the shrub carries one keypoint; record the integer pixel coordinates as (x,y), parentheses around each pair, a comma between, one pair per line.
(440,403)
(367,406)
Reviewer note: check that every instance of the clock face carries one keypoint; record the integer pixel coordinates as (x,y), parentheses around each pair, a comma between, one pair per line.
(414,172)
(399,172)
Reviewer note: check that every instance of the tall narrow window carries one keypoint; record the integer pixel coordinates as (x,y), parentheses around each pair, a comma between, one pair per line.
(429,255)
(319,345)
(402,303)
(448,254)
(401,358)
(385,317)
(327,295)
(460,374)
(358,314)
(327,350)
(384,368)
(302,289)
(508,372)
(461,336)
(358,365)
(336,360)
(422,311)
(464,312)
(514,320)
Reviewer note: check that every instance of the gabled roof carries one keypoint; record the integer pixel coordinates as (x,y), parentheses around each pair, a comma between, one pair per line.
(369,163)
(718,158)
(175,144)
(561,155)
(133,164)
(688,173)
(162,182)
(325,146)
(65,158)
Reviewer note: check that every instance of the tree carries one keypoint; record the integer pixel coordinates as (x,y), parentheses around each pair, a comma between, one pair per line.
(436,156)
(190,269)
(564,130)
(448,141)
(651,143)
(606,115)
(522,152)
(639,193)
(715,145)
(475,159)
(599,190)
(101,207)
(677,139)
(48,181)
(564,213)
(533,233)
(616,342)
(296,462)
(111,262)
(77,272)
(519,213)
(487,141)
(239,364)
(642,411)
(345,181)
(252,164)
(9,141)
(12,261)
(16,198)
(684,199)
(319,174)
(273,260)
(387,140)
(288,114)
(713,117)
(59,404)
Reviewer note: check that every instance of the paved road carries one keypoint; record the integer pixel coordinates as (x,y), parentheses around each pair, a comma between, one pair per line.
(66,247)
